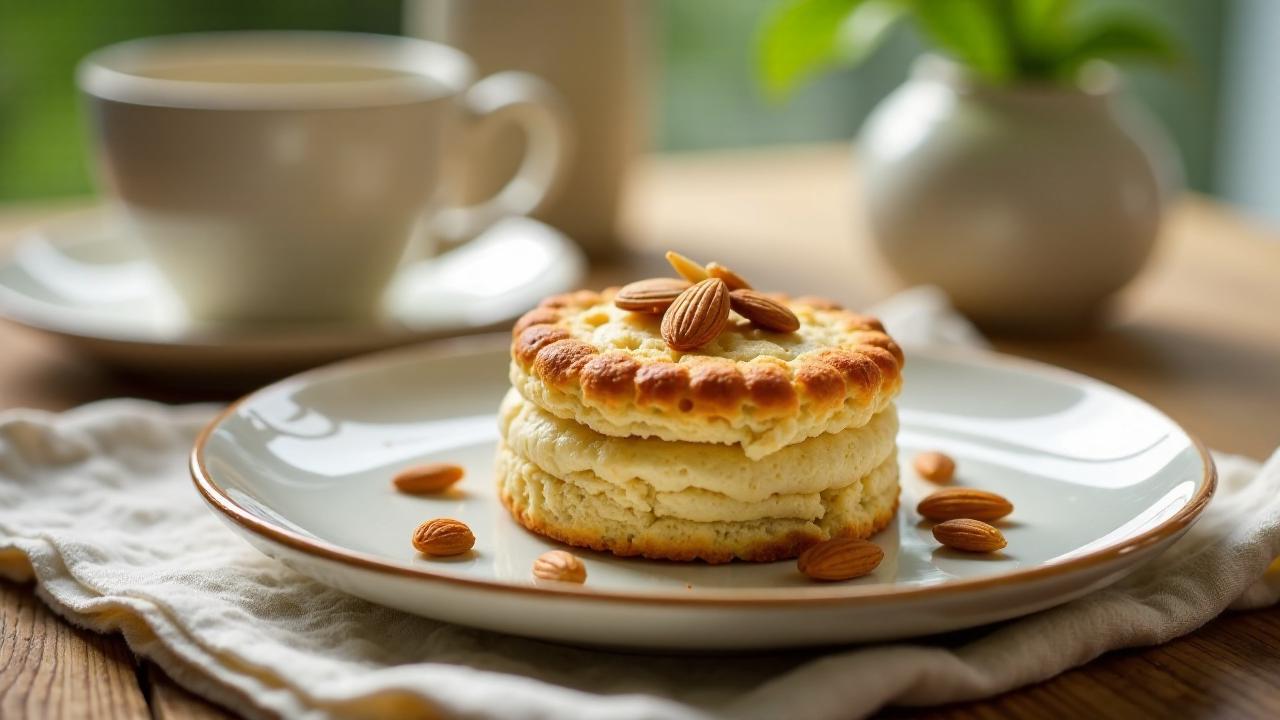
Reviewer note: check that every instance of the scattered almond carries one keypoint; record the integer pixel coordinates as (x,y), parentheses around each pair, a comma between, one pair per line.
(935,467)
(688,269)
(560,565)
(652,296)
(955,503)
(730,278)
(427,478)
(763,311)
(969,535)
(840,559)
(697,316)
(443,536)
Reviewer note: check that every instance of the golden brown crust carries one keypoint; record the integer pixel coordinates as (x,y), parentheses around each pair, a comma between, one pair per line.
(859,371)
(782,548)
(821,383)
(530,342)
(770,388)
(866,361)
(662,384)
(610,377)
(716,384)
(885,360)
(881,340)
(854,322)
(559,363)
(536,316)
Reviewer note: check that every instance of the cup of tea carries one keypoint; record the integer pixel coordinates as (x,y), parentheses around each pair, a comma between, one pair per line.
(280,176)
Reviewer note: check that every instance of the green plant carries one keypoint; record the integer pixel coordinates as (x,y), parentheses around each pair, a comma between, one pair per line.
(999,41)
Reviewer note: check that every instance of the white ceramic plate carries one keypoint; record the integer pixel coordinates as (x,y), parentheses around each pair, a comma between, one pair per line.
(1101,483)
(82,278)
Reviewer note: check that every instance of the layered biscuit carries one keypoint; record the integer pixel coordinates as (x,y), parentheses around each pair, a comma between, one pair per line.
(683,500)
(755,446)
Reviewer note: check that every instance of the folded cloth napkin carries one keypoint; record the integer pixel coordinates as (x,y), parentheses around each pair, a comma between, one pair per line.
(96,506)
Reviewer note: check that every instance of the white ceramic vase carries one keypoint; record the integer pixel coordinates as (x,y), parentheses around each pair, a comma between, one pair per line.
(1029,205)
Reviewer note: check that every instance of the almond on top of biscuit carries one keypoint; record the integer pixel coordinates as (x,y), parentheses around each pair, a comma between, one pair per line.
(763,311)
(730,278)
(686,267)
(697,316)
(652,296)
(690,307)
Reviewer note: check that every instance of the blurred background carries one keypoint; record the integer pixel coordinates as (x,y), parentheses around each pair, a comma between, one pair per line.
(1221,107)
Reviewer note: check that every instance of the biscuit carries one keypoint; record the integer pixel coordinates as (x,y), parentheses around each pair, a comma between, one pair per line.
(586,511)
(580,358)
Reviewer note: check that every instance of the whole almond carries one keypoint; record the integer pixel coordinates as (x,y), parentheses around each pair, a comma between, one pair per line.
(763,311)
(688,269)
(652,296)
(969,535)
(559,565)
(954,503)
(935,466)
(443,536)
(840,559)
(730,278)
(427,478)
(697,316)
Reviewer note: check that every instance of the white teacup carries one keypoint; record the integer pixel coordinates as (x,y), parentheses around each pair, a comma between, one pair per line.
(278,176)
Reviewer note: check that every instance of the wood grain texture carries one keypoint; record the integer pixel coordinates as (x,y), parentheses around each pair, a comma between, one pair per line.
(169,701)
(49,669)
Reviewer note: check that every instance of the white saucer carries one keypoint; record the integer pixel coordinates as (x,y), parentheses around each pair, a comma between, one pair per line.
(81,279)
(1100,481)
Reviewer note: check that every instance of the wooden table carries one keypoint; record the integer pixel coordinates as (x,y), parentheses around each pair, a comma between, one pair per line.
(1198,335)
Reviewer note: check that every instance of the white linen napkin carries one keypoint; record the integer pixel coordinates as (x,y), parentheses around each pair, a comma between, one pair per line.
(97,507)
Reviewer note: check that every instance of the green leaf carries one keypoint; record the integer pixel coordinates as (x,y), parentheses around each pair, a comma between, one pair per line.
(800,38)
(866,28)
(998,41)
(1038,32)
(969,30)
(1039,22)
(1118,37)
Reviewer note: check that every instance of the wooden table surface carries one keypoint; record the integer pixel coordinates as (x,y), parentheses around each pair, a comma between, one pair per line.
(1198,335)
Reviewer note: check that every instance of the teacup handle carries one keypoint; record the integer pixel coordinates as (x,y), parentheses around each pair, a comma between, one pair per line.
(534,105)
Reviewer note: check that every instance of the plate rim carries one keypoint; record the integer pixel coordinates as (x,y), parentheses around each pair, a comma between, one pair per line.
(218,499)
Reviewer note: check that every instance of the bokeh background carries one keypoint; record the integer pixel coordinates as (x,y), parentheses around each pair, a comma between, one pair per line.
(1221,107)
